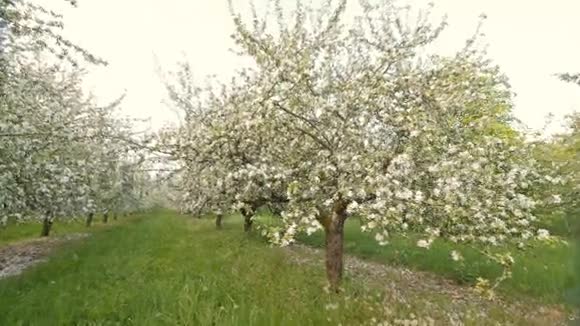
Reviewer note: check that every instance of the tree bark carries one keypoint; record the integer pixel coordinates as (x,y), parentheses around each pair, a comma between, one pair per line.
(218,221)
(247,214)
(248,223)
(106,217)
(115,216)
(46,226)
(90,219)
(334,231)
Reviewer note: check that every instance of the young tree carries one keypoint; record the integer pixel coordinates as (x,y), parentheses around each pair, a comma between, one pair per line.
(365,124)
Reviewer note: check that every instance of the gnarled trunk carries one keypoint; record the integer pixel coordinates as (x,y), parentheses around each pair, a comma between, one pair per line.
(90,219)
(115,216)
(218,221)
(106,217)
(334,231)
(46,225)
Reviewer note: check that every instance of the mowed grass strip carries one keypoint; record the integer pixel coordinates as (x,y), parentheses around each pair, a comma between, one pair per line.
(164,269)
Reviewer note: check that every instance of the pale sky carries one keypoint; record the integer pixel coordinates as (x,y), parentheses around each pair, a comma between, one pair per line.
(530,40)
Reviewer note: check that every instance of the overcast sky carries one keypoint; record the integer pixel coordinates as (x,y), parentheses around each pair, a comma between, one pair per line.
(530,40)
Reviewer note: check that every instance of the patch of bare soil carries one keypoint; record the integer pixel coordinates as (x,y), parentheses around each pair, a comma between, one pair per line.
(15,258)
(448,301)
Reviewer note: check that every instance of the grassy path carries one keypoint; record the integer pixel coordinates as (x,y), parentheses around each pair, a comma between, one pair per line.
(162,269)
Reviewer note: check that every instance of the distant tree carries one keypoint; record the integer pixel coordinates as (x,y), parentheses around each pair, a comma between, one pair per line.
(60,154)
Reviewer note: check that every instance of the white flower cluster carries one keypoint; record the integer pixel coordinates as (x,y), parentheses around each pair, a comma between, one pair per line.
(60,155)
(335,121)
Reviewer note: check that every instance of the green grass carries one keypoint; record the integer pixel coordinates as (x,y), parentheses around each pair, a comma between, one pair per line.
(28,230)
(163,269)
(543,272)
(14,232)
(559,223)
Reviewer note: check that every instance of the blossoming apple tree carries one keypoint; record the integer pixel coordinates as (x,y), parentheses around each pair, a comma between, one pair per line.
(376,129)
(60,154)
(340,117)
(220,147)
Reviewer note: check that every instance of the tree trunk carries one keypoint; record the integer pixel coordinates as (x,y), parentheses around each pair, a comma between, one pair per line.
(334,231)
(247,214)
(90,219)
(218,221)
(248,223)
(115,216)
(106,217)
(46,225)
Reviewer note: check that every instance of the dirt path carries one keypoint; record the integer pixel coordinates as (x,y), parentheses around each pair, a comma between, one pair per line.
(15,258)
(443,300)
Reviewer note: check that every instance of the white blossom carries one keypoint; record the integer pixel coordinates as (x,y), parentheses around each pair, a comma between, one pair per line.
(456,256)
(543,234)
(424,243)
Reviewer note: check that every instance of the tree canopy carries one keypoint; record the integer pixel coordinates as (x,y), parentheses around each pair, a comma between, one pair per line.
(335,120)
